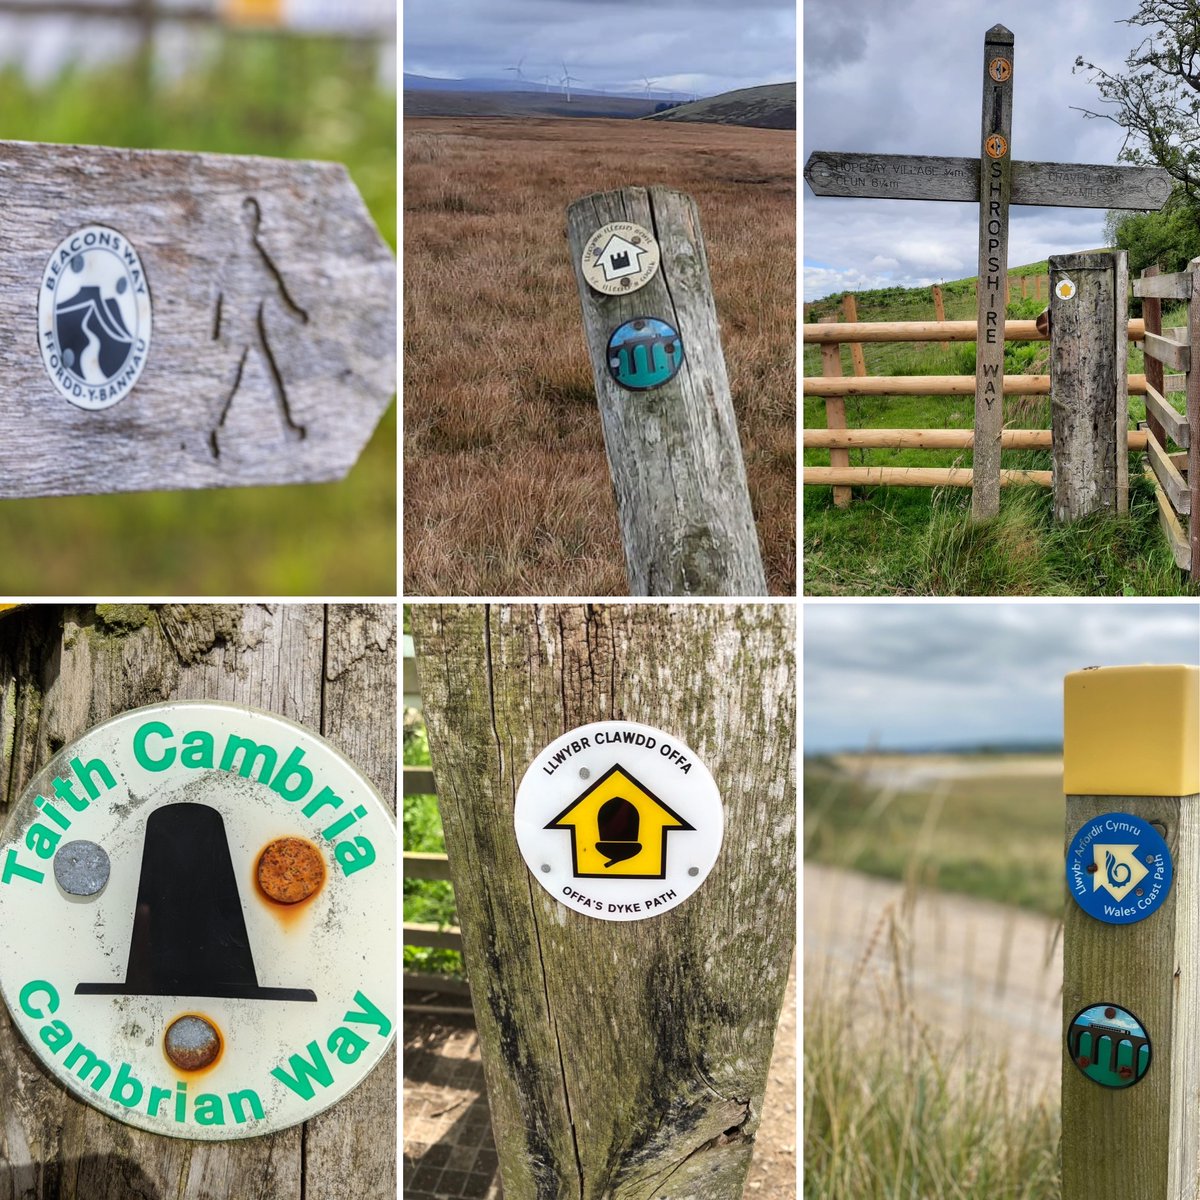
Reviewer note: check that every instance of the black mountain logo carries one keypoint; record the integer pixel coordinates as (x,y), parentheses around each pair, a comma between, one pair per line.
(87,318)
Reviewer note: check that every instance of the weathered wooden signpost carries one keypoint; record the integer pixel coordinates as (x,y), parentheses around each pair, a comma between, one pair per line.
(994,181)
(623,855)
(1131,971)
(669,425)
(186,320)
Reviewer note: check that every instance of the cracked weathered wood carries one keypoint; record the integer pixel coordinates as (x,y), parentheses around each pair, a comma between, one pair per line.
(1089,413)
(624,1060)
(682,500)
(272,356)
(63,671)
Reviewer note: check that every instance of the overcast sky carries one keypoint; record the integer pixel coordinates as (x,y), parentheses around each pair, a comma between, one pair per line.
(905,77)
(701,46)
(915,674)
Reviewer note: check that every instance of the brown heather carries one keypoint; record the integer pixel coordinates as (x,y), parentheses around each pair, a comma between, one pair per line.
(506,485)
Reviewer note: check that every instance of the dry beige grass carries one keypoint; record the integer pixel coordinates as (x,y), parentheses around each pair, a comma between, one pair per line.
(506,485)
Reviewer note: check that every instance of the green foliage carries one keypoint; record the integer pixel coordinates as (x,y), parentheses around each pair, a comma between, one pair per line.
(242,94)
(1169,238)
(429,901)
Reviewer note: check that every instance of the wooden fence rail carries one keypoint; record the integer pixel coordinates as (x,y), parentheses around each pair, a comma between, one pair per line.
(1176,477)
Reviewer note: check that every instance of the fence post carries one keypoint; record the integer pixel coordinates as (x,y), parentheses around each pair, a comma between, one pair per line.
(1088,396)
(939,311)
(835,413)
(1130,748)
(618,1054)
(671,435)
(1193,416)
(850,313)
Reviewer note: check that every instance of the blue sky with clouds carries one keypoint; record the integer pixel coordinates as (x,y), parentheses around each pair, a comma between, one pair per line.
(904,674)
(905,77)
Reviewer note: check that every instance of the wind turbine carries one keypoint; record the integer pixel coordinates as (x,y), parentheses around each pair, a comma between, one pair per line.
(546,81)
(649,84)
(566,81)
(517,76)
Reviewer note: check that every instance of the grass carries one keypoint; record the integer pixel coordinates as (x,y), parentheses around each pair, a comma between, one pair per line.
(919,541)
(896,1109)
(911,1114)
(995,836)
(507,488)
(245,94)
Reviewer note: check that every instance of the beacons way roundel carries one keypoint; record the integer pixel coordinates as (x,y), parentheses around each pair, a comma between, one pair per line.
(94,317)
(618,820)
(198,907)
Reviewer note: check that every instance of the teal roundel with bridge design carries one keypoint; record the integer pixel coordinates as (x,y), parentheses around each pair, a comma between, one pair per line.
(1109,1045)
(644,353)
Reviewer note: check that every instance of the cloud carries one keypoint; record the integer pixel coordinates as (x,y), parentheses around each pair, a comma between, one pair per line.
(911,674)
(903,78)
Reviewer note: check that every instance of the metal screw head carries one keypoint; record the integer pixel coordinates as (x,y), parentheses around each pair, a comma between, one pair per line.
(693,871)
(584,773)
(1092,868)
(1084,1061)
(1139,892)
(1110,1013)
(290,869)
(1125,1072)
(192,1043)
(81,868)
(545,868)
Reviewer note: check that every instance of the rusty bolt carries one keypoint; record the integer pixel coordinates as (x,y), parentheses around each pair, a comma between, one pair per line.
(1139,892)
(192,1043)
(290,870)
(1125,1072)
(1092,868)
(1110,1013)
(1150,858)
(1084,1061)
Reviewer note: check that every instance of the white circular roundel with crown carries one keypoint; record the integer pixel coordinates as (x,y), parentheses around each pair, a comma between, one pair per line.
(94,317)
(197,920)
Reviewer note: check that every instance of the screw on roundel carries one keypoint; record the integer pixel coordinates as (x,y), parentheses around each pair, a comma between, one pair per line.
(996,146)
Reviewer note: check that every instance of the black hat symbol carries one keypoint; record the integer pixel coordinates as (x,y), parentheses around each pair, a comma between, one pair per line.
(618,822)
(189,933)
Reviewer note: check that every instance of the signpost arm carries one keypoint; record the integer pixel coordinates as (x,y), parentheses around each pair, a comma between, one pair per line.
(618,1055)
(1143,1140)
(682,500)
(995,190)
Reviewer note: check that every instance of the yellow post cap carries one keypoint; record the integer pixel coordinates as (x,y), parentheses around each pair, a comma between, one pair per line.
(1132,731)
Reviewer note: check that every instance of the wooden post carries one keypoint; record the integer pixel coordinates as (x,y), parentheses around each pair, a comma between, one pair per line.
(1130,746)
(270,301)
(995,190)
(63,670)
(1193,419)
(850,313)
(619,1055)
(1088,416)
(1037,287)
(835,412)
(686,520)
(939,310)
(1024,286)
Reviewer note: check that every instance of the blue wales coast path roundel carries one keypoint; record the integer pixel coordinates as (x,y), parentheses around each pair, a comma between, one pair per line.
(197,921)
(1118,868)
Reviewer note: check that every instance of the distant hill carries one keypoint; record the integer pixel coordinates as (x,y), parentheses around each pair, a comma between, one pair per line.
(772,106)
(435,102)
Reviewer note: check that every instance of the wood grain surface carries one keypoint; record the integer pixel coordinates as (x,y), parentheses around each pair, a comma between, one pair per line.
(623,1059)
(676,461)
(272,357)
(63,670)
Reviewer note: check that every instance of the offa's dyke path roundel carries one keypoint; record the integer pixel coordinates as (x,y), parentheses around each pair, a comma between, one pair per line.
(618,820)
(197,920)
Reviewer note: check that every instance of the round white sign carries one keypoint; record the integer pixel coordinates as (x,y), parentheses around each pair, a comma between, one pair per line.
(94,317)
(197,920)
(619,821)
(1065,289)
(620,258)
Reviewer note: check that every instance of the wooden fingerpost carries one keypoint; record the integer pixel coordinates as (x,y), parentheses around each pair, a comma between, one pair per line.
(1130,747)
(682,500)
(835,414)
(995,191)
(1089,404)
(624,1059)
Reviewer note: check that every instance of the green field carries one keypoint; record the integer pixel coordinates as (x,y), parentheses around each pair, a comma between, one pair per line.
(289,97)
(997,836)
(919,541)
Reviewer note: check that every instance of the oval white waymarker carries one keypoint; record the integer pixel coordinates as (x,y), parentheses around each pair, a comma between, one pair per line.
(198,907)
(619,258)
(619,821)
(94,317)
